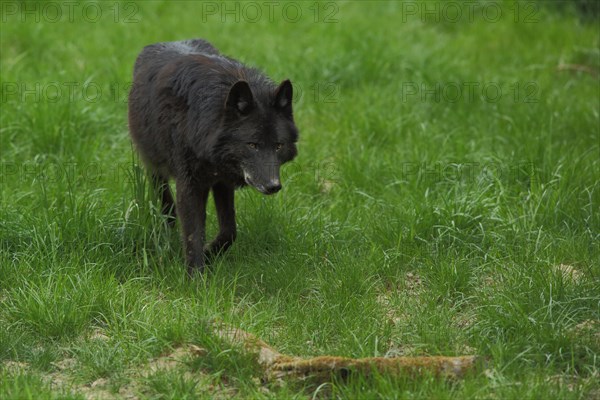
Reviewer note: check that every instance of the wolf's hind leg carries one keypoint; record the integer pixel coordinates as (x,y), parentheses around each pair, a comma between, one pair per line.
(191,207)
(224,203)
(161,185)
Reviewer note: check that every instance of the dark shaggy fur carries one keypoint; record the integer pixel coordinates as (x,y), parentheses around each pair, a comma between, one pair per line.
(210,123)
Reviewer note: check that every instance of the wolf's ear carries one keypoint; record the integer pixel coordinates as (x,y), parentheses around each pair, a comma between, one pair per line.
(240,98)
(283,96)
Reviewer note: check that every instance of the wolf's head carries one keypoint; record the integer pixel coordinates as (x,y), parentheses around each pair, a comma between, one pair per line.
(259,134)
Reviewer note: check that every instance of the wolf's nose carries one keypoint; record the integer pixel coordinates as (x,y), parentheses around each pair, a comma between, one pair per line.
(273,187)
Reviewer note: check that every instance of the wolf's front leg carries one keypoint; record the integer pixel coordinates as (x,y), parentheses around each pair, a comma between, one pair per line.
(191,207)
(224,203)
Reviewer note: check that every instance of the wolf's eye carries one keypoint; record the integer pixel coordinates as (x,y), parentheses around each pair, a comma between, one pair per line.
(253,145)
(278,146)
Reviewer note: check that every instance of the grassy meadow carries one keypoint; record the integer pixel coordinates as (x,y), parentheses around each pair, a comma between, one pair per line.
(445,201)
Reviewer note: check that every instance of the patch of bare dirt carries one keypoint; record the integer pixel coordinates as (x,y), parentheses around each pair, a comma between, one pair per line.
(413,283)
(392,298)
(98,334)
(589,328)
(97,390)
(568,381)
(576,382)
(174,359)
(326,185)
(569,273)
(67,363)
(490,281)
(401,350)
(14,367)
(62,378)
(464,320)
(467,350)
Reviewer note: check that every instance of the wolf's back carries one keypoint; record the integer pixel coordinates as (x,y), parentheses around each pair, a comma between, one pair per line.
(157,55)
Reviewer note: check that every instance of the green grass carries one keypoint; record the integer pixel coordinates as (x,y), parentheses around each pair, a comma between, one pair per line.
(413,222)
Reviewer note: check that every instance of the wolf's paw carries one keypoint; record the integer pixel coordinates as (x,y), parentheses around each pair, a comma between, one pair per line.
(218,246)
(195,271)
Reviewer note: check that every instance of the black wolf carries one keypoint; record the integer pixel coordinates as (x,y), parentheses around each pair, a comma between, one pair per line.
(210,123)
